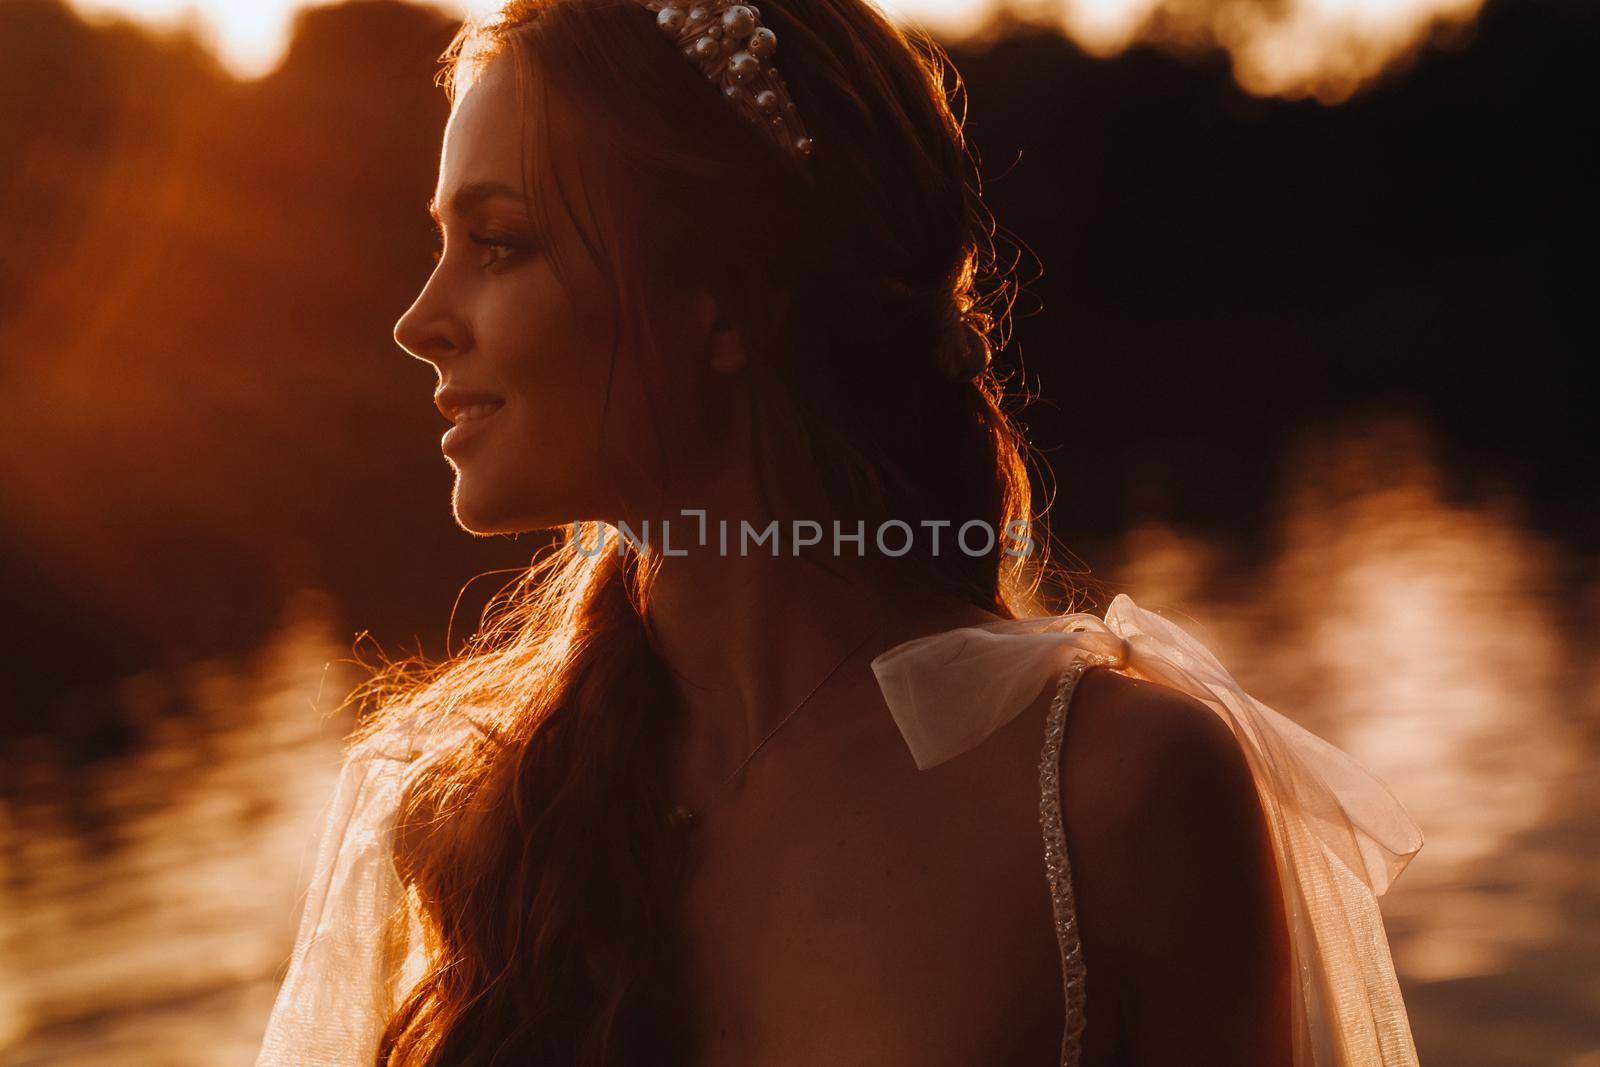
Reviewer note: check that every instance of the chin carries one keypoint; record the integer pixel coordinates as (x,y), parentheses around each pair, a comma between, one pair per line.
(486,515)
(478,515)
(482,527)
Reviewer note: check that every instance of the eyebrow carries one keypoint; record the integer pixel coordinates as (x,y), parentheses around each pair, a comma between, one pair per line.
(469,196)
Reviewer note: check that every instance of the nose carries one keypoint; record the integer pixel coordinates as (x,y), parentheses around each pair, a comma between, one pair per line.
(428,330)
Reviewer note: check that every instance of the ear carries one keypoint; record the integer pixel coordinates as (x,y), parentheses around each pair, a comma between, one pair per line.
(725,351)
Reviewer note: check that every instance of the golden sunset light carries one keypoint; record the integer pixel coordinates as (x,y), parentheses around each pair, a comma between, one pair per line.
(490,552)
(1321,48)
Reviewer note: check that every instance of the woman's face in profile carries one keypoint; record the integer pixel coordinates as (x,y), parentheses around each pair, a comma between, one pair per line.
(524,361)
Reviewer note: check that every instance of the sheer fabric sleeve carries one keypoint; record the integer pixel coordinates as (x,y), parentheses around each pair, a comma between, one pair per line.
(358,949)
(1341,839)
(1339,836)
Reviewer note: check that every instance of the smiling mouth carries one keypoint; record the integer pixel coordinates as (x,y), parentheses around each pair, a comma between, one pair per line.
(458,404)
(474,412)
(467,422)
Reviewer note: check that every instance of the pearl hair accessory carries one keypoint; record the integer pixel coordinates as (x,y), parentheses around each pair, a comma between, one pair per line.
(734,51)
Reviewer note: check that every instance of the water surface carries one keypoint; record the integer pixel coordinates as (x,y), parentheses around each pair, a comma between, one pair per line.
(147,902)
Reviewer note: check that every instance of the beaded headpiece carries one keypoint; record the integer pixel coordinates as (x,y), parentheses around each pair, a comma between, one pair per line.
(726,40)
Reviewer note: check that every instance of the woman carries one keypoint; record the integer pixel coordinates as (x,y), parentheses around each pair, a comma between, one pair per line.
(714,784)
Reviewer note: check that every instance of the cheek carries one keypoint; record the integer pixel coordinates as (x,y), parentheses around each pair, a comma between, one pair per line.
(529,324)
(581,415)
(548,359)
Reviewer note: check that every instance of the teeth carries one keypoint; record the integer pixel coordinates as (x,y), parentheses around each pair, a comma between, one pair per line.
(475,411)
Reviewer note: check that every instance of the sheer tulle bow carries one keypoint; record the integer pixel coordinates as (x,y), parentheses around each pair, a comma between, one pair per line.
(1340,836)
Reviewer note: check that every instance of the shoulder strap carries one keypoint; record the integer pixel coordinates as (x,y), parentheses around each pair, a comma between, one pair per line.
(1058,867)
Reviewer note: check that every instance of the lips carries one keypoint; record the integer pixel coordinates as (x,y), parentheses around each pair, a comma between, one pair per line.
(458,404)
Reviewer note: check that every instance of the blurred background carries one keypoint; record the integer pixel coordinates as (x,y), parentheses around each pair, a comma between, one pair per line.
(1307,319)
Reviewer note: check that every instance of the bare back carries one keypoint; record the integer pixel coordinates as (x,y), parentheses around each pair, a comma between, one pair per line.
(851,909)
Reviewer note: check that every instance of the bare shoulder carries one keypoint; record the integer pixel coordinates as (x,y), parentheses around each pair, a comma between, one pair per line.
(1157,797)
(1141,754)
(1173,866)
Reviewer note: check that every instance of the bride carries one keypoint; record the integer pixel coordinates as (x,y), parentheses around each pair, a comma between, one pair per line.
(777,755)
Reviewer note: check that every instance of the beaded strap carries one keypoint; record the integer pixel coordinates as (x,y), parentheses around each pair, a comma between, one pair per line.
(1058,868)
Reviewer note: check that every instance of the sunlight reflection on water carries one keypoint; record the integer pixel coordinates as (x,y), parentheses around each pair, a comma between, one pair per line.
(1450,649)
(146,905)
(146,910)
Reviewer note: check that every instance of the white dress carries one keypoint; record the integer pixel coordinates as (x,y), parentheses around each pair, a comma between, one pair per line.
(1340,838)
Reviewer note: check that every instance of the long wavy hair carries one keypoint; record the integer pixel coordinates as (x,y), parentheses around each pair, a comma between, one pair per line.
(538,855)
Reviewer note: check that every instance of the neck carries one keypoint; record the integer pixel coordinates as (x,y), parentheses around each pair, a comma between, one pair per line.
(748,635)
(747,638)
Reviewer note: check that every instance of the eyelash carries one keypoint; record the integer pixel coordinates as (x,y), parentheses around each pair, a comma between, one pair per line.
(488,242)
